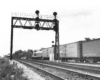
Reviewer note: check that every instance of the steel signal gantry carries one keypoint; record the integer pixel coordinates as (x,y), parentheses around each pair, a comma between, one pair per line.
(38,24)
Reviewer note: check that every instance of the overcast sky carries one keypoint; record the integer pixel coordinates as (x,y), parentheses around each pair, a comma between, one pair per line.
(78,19)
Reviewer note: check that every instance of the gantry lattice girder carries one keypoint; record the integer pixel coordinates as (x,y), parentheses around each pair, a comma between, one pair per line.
(29,23)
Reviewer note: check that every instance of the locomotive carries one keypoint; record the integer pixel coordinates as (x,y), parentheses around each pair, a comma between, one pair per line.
(80,51)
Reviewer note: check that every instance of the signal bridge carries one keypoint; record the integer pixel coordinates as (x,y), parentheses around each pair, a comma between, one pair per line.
(38,23)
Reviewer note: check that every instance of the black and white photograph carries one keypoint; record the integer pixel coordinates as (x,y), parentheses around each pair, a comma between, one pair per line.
(50,40)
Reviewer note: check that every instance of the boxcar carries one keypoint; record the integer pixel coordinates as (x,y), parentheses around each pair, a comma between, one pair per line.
(62,52)
(73,51)
(91,50)
(45,54)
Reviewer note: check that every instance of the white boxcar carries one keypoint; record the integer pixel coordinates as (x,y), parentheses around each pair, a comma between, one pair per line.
(62,51)
(91,48)
(73,50)
(45,53)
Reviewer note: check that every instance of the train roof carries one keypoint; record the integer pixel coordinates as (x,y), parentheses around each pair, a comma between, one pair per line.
(70,43)
(91,40)
(38,52)
(78,42)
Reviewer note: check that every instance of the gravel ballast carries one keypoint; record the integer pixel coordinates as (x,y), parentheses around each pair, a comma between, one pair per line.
(29,73)
(66,75)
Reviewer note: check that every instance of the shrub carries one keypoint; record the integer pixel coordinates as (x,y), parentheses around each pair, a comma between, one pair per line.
(10,72)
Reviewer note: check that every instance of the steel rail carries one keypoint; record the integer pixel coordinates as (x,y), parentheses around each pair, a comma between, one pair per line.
(93,68)
(70,68)
(55,77)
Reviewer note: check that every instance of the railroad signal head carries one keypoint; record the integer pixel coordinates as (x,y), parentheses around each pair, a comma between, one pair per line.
(37,27)
(52,41)
(55,14)
(37,12)
(55,22)
(37,19)
(55,28)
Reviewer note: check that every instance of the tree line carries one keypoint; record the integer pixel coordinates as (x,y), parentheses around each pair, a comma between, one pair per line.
(19,54)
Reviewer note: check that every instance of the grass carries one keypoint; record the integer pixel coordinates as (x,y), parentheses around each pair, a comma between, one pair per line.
(10,72)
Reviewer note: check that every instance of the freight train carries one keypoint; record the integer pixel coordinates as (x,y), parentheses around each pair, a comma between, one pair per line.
(80,51)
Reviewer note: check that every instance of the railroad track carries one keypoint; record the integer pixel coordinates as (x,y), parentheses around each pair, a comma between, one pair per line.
(84,70)
(53,76)
(95,68)
(84,66)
